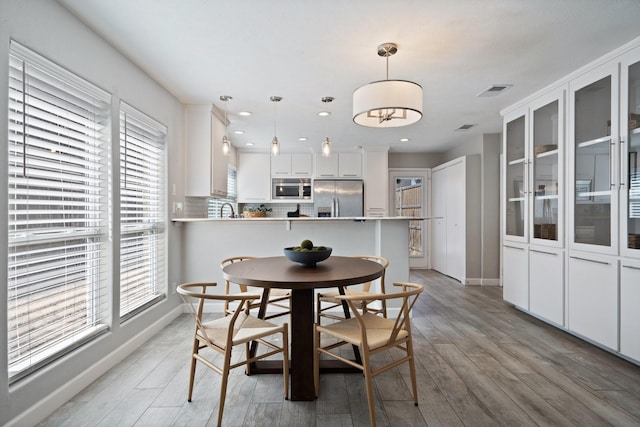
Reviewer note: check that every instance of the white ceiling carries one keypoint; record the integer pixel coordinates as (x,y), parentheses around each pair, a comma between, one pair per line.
(304,50)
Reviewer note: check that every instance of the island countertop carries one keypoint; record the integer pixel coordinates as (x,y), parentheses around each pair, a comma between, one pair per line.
(307,218)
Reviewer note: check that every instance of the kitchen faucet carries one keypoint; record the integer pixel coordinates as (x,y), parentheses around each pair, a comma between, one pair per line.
(233,215)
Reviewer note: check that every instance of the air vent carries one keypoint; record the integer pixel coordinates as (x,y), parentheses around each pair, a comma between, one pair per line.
(494,90)
(465,127)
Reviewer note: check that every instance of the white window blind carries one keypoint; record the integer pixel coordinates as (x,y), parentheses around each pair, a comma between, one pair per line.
(214,205)
(142,211)
(57,206)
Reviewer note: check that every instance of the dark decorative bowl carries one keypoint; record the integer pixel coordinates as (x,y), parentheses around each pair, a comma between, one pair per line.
(307,258)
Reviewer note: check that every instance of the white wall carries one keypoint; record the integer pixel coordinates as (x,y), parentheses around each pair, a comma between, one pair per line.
(47,28)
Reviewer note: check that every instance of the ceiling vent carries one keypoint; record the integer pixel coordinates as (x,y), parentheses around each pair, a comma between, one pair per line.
(465,127)
(494,90)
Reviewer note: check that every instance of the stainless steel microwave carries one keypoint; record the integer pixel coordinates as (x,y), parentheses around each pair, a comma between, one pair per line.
(291,188)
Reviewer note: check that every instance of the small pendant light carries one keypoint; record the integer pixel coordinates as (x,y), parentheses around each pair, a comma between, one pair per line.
(326,145)
(226,144)
(275,145)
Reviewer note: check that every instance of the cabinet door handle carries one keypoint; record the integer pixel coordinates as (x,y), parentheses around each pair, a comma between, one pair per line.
(623,163)
(543,252)
(589,260)
(633,267)
(513,247)
(611,172)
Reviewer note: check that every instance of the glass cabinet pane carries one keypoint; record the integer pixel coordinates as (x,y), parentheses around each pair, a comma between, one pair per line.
(592,198)
(515,177)
(545,172)
(633,178)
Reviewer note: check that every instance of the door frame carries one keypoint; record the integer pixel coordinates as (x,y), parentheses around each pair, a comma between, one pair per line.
(425,173)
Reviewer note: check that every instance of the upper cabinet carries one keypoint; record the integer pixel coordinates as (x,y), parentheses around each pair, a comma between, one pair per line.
(594,144)
(534,159)
(604,173)
(630,146)
(296,165)
(347,164)
(254,177)
(206,170)
(376,183)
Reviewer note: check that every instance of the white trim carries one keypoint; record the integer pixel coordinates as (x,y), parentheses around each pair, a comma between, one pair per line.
(43,408)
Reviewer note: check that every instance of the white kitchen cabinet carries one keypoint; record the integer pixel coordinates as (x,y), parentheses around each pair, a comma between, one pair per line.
(292,165)
(254,177)
(593,298)
(339,165)
(350,164)
(376,183)
(630,308)
(534,164)
(515,276)
(206,164)
(546,283)
(601,222)
(456,197)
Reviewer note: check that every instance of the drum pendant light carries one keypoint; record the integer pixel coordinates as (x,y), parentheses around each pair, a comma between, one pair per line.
(275,145)
(387,103)
(226,144)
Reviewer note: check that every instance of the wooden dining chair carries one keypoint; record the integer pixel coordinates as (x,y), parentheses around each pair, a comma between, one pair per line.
(223,334)
(373,334)
(327,303)
(280,299)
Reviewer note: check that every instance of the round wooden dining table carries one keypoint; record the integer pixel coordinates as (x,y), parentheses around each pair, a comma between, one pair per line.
(280,272)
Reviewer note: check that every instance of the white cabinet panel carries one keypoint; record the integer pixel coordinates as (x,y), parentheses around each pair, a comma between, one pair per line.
(292,165)
(593,298)
(376,183)
(630,308)
(546,284)
(326,167)
(350,165)
(206,164)
(455,187)
(254,177)
(515,280)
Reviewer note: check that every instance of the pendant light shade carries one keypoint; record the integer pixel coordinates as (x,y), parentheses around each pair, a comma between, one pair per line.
(226,144)
(387,103)
(275,144)
(326,145)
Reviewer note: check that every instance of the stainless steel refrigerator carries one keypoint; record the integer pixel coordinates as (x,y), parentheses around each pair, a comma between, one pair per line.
(338,197)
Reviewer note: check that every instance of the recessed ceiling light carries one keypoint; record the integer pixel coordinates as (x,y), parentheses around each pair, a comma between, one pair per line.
(303,138)
(250,144)
(465,127)
(494,90)
(244,113)
(324,113)
(404,139)
(238,132)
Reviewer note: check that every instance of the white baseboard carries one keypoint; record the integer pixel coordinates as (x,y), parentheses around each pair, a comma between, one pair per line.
(482,282)
(47,406)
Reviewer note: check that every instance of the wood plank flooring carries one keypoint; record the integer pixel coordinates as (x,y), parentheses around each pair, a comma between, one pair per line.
(480,362)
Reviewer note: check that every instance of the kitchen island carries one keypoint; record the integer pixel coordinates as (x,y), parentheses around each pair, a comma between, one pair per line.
(207,241)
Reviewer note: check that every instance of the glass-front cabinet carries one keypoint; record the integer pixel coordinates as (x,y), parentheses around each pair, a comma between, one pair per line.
(630,166)
(534,170)
(594,145)
(515,131)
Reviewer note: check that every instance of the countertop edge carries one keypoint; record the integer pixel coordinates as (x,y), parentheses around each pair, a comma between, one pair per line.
(278,219)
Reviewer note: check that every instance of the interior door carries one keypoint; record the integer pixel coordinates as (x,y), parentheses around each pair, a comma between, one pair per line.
(456,234)
(439,223)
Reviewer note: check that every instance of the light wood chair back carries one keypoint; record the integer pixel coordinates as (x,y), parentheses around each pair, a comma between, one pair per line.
(327,305)
(223,334)
(372,334)
(279,299)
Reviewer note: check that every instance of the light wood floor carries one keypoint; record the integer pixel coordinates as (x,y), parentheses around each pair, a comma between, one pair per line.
(480,362)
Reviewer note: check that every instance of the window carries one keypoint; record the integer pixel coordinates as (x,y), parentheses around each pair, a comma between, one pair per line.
(232,196)
(142,211)
(58,211)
